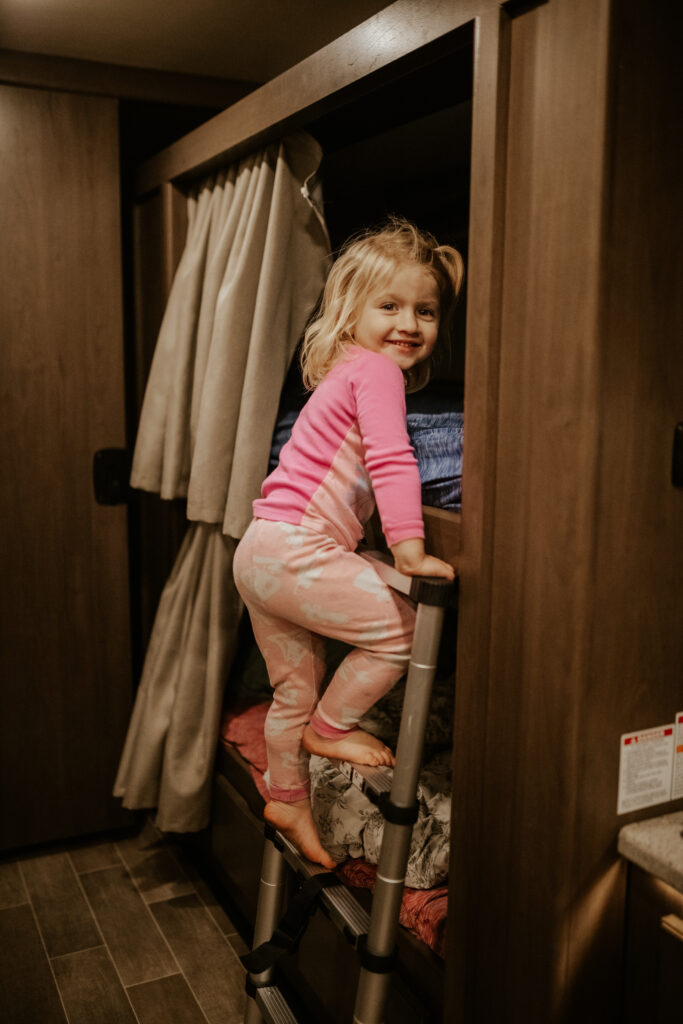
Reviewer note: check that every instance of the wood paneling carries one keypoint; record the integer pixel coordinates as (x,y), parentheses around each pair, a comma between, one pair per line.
(443,534)
(159,227)
(232,817)
(65,655)
(585,638)
(636,645)
(634,607)
(175,230)
(98,79)
(484,272)
(546,453)
(355,63)
(649,900)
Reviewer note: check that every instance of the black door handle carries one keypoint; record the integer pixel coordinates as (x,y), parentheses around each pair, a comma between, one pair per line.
(110,473)
(677,457)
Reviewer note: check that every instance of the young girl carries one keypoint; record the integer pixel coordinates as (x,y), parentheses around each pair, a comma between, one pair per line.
(388,297)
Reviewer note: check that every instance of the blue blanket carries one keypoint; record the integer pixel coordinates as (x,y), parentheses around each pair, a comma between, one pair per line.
(435,433)
(437,440)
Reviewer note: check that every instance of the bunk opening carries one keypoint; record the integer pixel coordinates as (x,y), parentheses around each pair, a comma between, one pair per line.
(405,149)
(398,141)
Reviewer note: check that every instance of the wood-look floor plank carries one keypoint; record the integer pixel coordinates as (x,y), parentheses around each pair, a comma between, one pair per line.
(166,1001)
(28,993)
(91,990)
(138,950)
(63,915)
(208,962)
(12,891)
(154,870)
(208,898)
(94,857)
(237,942)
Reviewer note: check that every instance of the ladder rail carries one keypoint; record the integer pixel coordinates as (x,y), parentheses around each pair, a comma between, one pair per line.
(373,984)
(374,935)
(268,910)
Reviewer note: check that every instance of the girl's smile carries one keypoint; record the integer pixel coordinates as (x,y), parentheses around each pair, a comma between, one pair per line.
(401,319)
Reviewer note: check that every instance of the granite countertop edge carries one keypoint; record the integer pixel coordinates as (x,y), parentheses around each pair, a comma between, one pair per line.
(656,846)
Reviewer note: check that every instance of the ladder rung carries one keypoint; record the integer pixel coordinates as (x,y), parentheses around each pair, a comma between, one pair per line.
(346,912)
(273,1005)
(383,564)
(342,906)
(430,590)
(371,780)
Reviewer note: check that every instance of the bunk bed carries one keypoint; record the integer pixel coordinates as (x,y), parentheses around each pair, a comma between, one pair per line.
(351,826)
(398,92)
(349,823)
(571,390)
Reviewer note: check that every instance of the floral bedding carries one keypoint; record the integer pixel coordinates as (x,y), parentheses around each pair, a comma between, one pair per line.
(351,826)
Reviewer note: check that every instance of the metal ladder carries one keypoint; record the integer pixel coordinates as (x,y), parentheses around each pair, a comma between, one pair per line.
(394,791)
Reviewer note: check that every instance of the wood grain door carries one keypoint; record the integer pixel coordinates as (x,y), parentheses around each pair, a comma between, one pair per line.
(65,667)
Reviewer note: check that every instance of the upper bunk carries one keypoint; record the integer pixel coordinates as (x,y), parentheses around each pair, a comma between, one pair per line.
(391,104)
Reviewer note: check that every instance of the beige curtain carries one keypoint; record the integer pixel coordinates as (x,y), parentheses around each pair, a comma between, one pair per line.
(251,273)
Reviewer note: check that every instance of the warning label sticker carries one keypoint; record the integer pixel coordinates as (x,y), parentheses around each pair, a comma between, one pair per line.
(645,768)
(677,779)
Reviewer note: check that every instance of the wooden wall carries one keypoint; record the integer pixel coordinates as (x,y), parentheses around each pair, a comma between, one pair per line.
(159,228)
(585,630)
(65,655)
(65,585)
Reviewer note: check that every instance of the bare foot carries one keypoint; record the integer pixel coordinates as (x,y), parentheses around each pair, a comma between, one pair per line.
(358,746)
(295,821)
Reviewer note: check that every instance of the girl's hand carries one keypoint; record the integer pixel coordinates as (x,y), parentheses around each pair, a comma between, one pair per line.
(432,566)
(410,559)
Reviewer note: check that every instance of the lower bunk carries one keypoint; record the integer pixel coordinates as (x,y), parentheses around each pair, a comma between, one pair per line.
(320,976)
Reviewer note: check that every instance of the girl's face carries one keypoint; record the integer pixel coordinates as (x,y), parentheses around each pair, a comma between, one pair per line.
(401,319)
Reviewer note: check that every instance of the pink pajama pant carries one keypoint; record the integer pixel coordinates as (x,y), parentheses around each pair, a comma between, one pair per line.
(299,585)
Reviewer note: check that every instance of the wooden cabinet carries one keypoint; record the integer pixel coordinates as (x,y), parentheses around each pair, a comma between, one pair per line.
(653,949)
(65,656)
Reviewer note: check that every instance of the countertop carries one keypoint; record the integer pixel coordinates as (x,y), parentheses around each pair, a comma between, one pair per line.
(656,845)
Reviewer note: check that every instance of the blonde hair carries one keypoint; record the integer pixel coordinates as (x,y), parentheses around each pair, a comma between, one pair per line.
(368,261)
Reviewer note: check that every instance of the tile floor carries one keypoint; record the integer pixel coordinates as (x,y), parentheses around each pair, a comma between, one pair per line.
(115,932)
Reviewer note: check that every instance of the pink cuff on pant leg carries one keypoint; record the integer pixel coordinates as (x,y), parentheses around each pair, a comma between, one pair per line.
(325,729)
(289,795)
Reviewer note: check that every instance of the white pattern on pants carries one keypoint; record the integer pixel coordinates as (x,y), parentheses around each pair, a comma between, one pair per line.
(299,585)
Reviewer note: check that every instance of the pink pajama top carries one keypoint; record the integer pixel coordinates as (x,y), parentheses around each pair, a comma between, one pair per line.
(349,441)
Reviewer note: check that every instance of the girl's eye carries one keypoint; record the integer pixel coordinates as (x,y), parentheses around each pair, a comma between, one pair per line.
(388,305)
(427,312)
